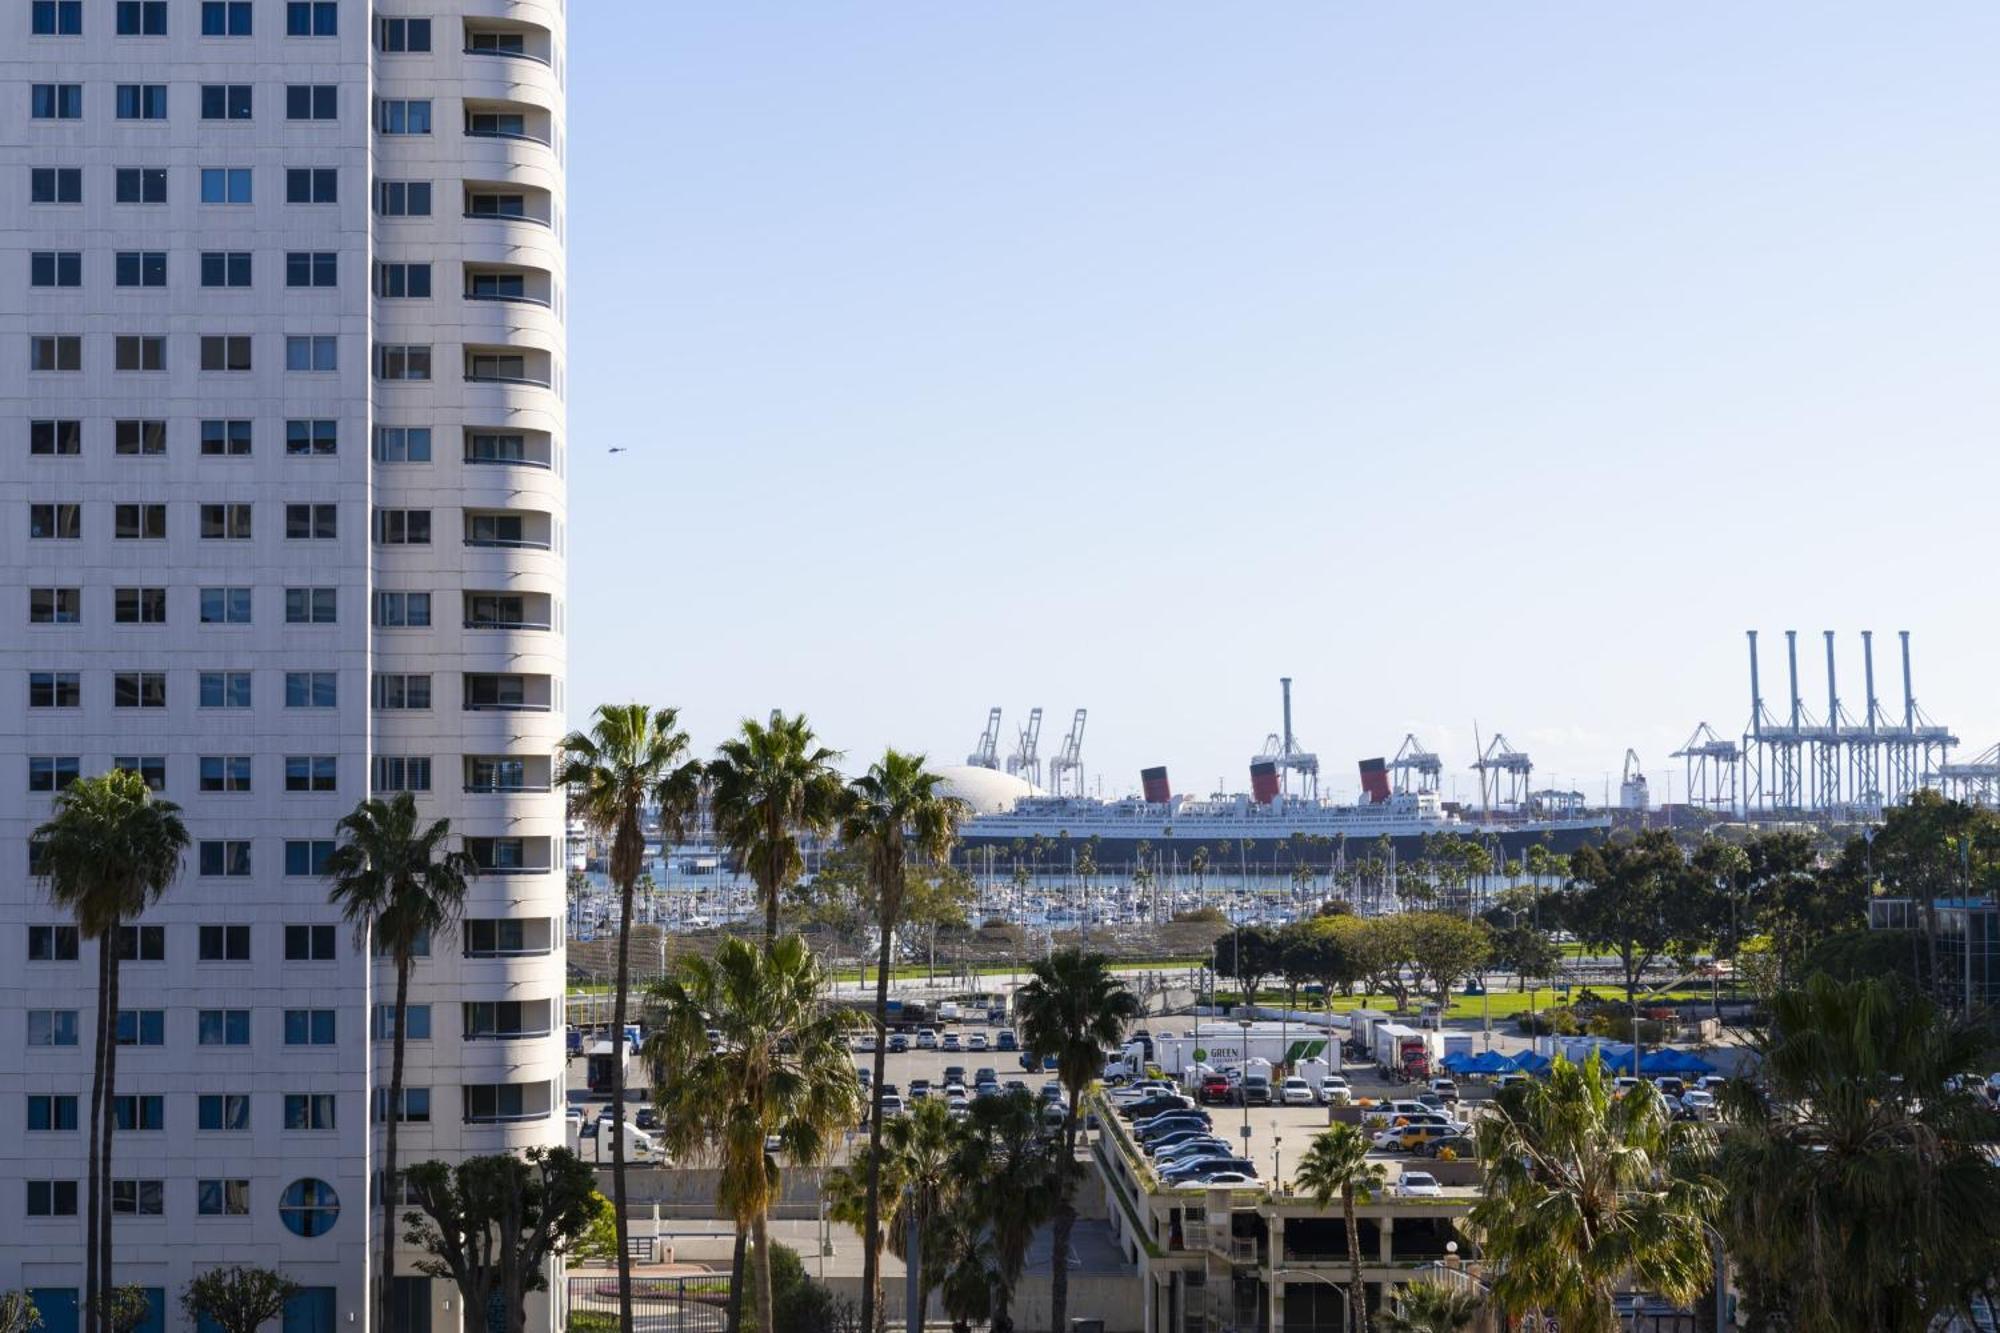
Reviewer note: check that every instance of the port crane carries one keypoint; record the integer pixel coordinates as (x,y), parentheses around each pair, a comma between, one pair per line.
(1284,751)
(1633,793)
(1413,759)
(1503,775)
(1026,761)
(1066,769)
(987,755)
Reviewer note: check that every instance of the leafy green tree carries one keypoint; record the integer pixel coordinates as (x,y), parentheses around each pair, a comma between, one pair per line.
(127,1307)
(237,1299)
(1443,948)
(398,882)
(1860,1191)
(109,850)
(779,1070)
(1642,901)
(1427,1307)
(1582,1194)
(1073,1008)
(1930,848)
(1336,1162)
(18,1313)
(631,756)
(490,1224)
(769,785)
(1250,954)
(599,1241)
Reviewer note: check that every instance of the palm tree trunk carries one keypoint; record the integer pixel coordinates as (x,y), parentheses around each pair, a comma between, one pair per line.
(736,1284)
(1357,1295)
(765,1322)
(107,1282)
(618,1106)
(871,1255)
(1065,1223)
(385,1301)
(104,1035)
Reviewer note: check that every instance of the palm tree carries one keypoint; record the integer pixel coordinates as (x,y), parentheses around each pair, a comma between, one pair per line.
(919,1158)
(1582,1194)
(399,885)
(770,783)
(1427,1307)
(109,850)
(1337,1163)
(1859,1193)
(1008,1153)
(777,1070)
(898,807)
(1072,1008)
(631,755)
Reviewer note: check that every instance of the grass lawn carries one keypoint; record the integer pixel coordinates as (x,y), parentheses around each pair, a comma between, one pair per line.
(1497,1004)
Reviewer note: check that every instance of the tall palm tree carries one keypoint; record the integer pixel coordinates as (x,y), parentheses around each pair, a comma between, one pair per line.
(631,755)
(920,1160)
(1859,1191)
(777,1069)
(1427,1307)
(109,850)
(1074,1009)
(1015,1164)
(769,784)
(1582,1194)
(400,885)
(897,808)
(1337,1162)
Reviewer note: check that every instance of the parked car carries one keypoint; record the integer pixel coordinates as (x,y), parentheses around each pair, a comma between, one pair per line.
(1227,1178)
(646,1118)
(1052,1090)
(1296,1092)
(976,1042)
(1334,1090)
(1255,1090)
(1192,1171)
(949,1042)
(1625,1085)
(1501,1081)
(1669,1086)
(927,1039)
(864,1041)
(891,1104)
(986,1087)
(1419,1185)
(1200,1144)
(1445,1089)
(1004,1040)
(1461,1145)
(1166,1101)
(1409,1138)
(898,1043)
(1699,1105)
(1175,1138)
(1215,1089)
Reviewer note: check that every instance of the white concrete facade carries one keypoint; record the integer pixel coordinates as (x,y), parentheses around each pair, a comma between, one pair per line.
(261,630)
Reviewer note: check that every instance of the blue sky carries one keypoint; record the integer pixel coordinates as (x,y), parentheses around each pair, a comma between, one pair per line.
(1494,363)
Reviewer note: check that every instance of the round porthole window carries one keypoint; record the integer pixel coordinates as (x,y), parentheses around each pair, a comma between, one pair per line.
(309,1207)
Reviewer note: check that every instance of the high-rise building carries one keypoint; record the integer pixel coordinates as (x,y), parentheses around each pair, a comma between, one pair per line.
(282,515)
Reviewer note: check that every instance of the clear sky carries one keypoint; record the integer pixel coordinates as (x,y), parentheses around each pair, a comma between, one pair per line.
(1465,362)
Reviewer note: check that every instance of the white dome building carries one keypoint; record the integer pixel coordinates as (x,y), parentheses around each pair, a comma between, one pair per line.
(987,790)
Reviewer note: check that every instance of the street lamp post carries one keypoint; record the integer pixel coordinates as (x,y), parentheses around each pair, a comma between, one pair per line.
(1243,1074)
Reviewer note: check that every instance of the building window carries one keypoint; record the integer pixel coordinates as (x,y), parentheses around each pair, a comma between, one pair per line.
(56,185)
(52,944)
(403,116)
(225,438)
(310,772)
(308,944)
(312,268)
(55,268)
(312,18)
(493,1101)
(140,185)
(402,773)
(139,689)
(56,18)
(225,18)
(304,857)
(222,1198)
(404,692)
(142,101)
(225,772)
(52,1198)
(138,1198)
(403,610)
(320,352)
(56,101)
(222,1027)
(55,606)
(311,689)
(142,1027)
(151,767)
(52,1027)
(403,527)
(225,522)
(225,606)
(52,1113)
(225,689)
(225,859)
(142,944)
(139,522)
(311,438)
(142,18)
(139,351)
(65,352)
(311,522)
(394,361)
(403,199)
(309,1027)
(139,438)
(51,773)
(416,1027)
(139,606)
(224,1111)
(140,268)
(416,1102)
(55,689)
(225,268)
(224,944)
(225,351)
(405,35)
(403,280)
(225,185)
(402,444)
(312,101)
(309,1207)
(310,606)
(143,1113)
(55,439)
(309,1110)
(226,101)
(312,185)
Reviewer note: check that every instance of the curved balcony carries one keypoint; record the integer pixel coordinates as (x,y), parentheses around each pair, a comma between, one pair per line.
(485,447)
(511,121)
(508,937)
(525,367)
(509,529)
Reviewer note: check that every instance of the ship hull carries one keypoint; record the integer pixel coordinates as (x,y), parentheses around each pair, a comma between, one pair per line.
(1266,849)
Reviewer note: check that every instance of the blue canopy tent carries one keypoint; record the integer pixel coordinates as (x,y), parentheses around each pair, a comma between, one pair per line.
(1661,1061)
(1457,1062)
(1490,1062)
(1532,1062)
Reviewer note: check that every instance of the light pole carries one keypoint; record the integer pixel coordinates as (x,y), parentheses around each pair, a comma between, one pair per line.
(1277,1174)
(1242,1074)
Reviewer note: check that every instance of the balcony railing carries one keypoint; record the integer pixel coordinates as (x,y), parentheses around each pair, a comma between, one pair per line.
(500,788)
(506,708)
(511,298)
(528,381)
(490,216)
(475,460)
(509,1118)
(509,543)
(513,870)
(540,951)
(512,1034)
(512,135)
(509,55)
(508,624)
